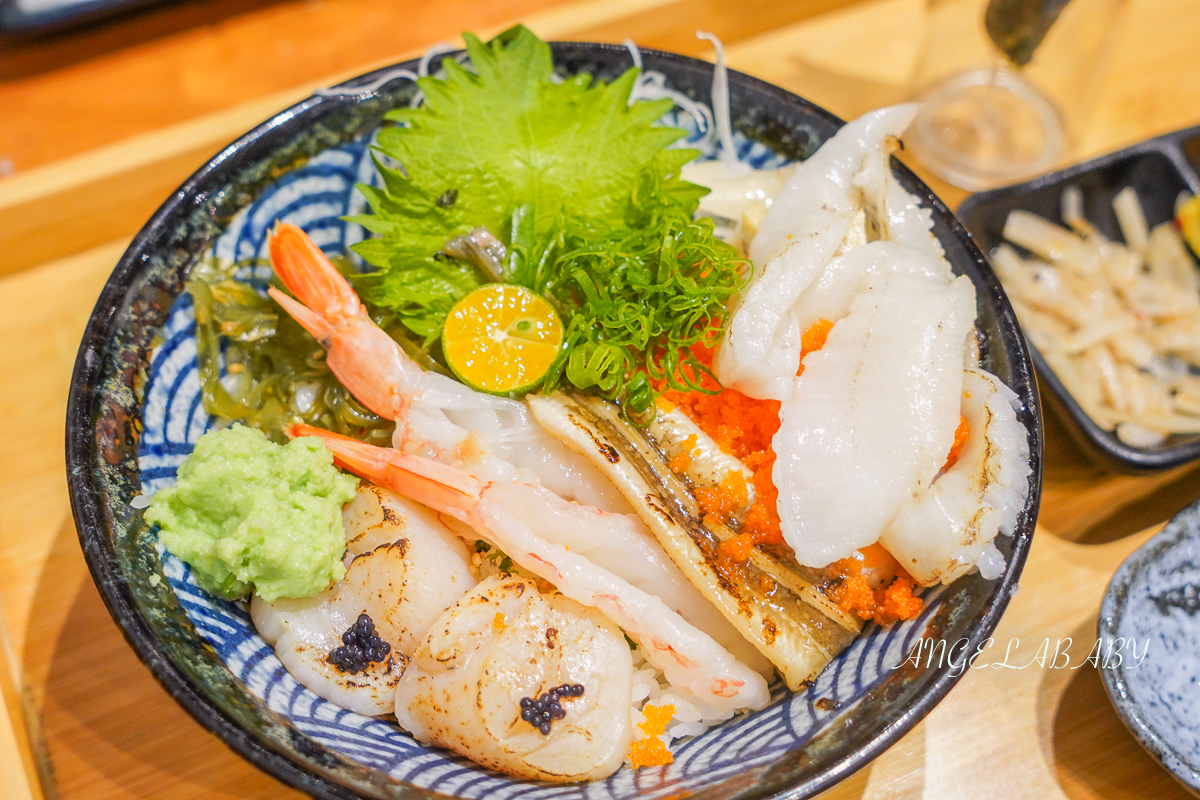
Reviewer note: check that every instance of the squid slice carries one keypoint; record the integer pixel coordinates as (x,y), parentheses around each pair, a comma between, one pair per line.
(778,606)
(873,416)
(949,528)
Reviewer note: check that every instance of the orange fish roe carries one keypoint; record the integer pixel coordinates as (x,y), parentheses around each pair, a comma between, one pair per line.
(651,752)
(498,621)
(862,589)
(728,495)
(813,339)
(683,459)
(743,427)
(898,602)
(961,434)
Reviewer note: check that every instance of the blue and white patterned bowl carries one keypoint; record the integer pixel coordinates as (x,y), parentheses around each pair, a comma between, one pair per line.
(1149,655)
(135,412)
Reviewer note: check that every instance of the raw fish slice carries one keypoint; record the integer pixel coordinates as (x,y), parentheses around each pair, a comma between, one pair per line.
(827,179)
(948,529)
(405,568)
(761,350)
(895,215)
(830,295)
(873,416)
(506,641)
(810,219)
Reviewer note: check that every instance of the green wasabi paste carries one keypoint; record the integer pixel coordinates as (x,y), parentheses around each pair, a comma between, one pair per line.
(247,513)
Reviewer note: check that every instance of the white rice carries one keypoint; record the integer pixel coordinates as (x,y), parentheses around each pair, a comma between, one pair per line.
(692,716)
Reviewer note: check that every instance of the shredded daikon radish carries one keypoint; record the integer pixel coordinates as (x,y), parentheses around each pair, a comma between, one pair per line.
(720,104)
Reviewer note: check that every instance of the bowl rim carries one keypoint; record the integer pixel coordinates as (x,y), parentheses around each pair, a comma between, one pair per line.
(1101,444)
(86,500)
(1184,525)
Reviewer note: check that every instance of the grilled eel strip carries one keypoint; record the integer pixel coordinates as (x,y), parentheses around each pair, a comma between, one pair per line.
(778,605)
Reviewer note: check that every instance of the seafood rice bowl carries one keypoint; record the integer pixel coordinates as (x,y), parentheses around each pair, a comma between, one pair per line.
(632,450)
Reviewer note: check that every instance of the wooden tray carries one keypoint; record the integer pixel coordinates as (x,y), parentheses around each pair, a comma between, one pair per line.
(111,732)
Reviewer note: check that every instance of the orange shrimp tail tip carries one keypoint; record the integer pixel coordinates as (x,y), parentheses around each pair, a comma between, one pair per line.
(310,320)
(437,485)
(309,274)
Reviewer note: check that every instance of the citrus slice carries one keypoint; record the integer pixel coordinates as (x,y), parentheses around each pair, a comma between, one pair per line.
(501,338)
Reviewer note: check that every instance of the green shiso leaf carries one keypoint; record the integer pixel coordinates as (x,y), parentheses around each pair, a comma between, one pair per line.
(583,190)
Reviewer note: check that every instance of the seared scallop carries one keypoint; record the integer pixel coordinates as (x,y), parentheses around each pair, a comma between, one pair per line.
(533,685)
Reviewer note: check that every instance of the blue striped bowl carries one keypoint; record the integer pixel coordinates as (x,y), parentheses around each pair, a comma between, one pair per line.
(135,413)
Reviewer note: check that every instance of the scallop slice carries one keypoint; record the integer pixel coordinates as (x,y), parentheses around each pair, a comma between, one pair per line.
(505,641)
(404,569)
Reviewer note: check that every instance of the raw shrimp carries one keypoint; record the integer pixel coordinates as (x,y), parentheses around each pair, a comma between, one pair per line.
(436,416)
(689,658)
(505,642)
(405,568)
(810,219)
(948,528)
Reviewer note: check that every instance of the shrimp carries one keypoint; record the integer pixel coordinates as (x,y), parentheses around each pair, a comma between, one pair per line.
(404,569)
(815,215)
(689,658)
(435,415)
(505,646)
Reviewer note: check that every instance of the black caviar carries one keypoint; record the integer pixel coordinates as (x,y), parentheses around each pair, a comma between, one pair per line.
(361,646)
(545,709)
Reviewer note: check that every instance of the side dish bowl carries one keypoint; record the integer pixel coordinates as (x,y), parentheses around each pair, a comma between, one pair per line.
(1158,170)
(1150,635)
(132,416)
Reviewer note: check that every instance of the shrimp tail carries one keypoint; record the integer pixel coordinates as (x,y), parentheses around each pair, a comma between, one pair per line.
(429,482)
(310,320)
(367,361)
(309,274)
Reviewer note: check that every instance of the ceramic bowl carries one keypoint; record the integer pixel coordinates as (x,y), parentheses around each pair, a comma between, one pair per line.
(134,414)
(1149,633)
(1158,169)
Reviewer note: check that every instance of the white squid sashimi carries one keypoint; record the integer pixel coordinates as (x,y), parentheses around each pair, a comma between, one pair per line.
(827,179)
(873,416)
(504,642)
(949,528)
(809,220)
(896,215)
(830,295)
(624,546)
(405,569)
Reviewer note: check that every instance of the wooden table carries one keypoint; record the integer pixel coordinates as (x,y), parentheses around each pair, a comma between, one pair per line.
(99,127)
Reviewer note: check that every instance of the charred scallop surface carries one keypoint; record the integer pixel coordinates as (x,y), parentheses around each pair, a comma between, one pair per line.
(350,644)
(534,685)
(775,603)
